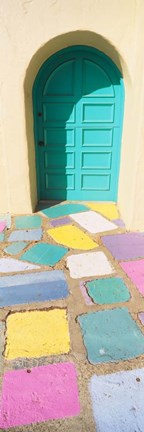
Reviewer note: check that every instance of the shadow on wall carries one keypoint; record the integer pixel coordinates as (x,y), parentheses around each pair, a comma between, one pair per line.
(51,47)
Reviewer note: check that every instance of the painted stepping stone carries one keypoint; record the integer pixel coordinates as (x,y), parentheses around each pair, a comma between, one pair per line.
(37,333)
(111,335)
(72,237)
(141,317)
(45,254)
(109,210)
(119,222)
(60,222)
(6,217)
(2,237)
(33,287)
(85,294)
(63,210)
(26,235)
(117,401)
(47,392)
(135,271)
(108,291)
(2,226)
(125,246)
(9,265)
(2,340)
(93,222)
(89,264)
(27,222)
(15,248)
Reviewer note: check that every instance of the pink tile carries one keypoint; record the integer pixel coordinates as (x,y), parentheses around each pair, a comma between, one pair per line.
(135,271)
(47,392)
(85,295)
(2,226)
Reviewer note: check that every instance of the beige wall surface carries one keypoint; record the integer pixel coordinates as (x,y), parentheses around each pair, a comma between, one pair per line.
(32,30)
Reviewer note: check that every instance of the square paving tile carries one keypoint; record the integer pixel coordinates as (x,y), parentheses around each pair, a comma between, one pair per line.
(109,210)
(72,237)
(125,246)
(93,222)
(111,335)
(48,392)
(117,401)
(10,265)
(135,271)
(108,291)
(60,222)
(44,254)
(37,333)
(15,248)
(63,210)
(33,287)
(26,235)
(89,264)
(25,222)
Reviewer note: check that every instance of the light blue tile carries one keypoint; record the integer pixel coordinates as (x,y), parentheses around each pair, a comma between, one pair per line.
(26,235)
(44,254)
(15,248)
(108,290)
(111,335)
(2,237)
(7,218)
(63,210)
(27,222)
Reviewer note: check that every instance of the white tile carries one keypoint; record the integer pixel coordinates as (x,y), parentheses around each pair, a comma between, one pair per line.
(93,222)
(9,265)
(89,264)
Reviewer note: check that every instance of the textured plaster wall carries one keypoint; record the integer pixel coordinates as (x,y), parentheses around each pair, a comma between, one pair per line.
(30,32)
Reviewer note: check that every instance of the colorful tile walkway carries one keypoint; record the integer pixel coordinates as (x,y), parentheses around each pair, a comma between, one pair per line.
(71,321)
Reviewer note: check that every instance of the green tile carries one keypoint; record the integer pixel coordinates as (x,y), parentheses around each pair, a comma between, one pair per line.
(2,237)
(26,222)
(44,254)
(63,210)
(15,248)
(108,291)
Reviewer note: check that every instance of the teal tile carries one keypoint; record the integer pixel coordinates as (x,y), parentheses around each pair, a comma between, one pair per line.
(2,237)
(111,335)
(26,222)
(15,248)
(44,254)
(108,291)
(63,210)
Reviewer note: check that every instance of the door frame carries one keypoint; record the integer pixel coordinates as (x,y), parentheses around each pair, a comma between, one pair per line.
(45,69)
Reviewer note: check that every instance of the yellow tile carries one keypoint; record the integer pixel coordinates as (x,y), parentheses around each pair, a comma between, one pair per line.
(72,237)
(37,333)
(108,210)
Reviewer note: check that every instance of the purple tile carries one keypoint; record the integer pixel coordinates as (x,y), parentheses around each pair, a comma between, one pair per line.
(125,246)
(141,317)
(60,222)
(119,222)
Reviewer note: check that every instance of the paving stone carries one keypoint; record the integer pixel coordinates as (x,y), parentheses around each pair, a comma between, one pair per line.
(141,317)
(2,226)
(63,210)
(93,222)
(119,222)
(111,335)
(72,237)
(47,392)
(109,210)
(108,291)
(6,217)
(2,329)
(26,235)
(9,265)
(15,248)
(45,254)
(117,401)
(135,271)
(27,222)
(33,287)
(60,222)
(125,246)
(89,264)
(85,295)
(37,334)
(2,237)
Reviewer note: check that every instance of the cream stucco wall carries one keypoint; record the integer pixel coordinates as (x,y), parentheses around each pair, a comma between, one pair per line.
(31,30)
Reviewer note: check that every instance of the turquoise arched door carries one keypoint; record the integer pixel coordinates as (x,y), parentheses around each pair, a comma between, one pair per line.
(78,110)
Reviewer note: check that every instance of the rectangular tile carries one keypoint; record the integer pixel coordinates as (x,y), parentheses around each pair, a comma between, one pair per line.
(26,235)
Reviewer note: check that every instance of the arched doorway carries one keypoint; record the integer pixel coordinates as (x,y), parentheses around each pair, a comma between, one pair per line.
(78,98)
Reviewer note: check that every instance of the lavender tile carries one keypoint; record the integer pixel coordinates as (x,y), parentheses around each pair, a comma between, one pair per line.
(125,246)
